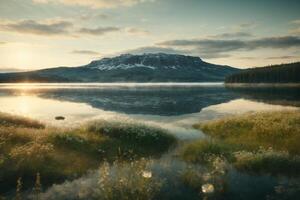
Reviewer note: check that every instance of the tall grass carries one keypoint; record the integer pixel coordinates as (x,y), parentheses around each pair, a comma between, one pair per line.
(7,120)
(265,142)
(28,147)
(279,130)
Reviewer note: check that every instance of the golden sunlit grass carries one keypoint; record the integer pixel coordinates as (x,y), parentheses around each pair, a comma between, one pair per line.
(27,147)
(279,130)
(264,142)
(7,120)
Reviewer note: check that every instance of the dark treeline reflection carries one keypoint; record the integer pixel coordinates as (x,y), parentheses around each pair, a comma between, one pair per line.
(287,96)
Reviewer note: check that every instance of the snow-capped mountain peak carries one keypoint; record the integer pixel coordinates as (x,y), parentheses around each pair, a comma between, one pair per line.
(146,61)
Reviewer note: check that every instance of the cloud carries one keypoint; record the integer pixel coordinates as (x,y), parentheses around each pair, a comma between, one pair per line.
(296,29)
(102,16)
(157,49)
(99,30)
(85,52)
(245,26)
(283,42)
(52,27)
(95,3)
(238,34)
(247,58)
(296,22)
(88,16)
(55,27)
(154,49)
(281,57)
(213,48)
(137,31)
(2,43)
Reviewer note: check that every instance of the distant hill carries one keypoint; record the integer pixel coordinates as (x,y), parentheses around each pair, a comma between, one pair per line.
(284,73)
(158,67)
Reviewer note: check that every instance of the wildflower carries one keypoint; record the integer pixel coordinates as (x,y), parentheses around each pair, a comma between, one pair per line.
(207,188)
(18,189)
(147,174)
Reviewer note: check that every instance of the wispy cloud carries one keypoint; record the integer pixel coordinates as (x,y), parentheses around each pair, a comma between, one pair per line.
(137,31)
(238,34)
(221,48)
(85,52)
(56,27)
(95,3)
(88,16)
(296,27)
(99,30)
(297,22)
(244,26)
(295,31)
(2,43)
(154,49)
(281,57)
(53,27)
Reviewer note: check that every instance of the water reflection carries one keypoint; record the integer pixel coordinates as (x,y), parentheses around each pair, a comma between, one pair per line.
(273,95)
(163,101)
(167,104)
(174,107)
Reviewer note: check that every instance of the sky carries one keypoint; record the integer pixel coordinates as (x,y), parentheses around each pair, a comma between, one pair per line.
(37,34)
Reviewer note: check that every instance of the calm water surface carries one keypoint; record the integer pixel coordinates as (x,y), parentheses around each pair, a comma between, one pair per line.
(175,106)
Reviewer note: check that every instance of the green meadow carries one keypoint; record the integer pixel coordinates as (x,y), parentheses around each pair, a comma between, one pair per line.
(29,147)
(264,142)
(124,160)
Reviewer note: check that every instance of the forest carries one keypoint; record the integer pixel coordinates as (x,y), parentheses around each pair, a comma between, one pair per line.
(283,73)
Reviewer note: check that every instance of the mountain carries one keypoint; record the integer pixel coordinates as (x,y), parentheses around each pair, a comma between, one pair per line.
(158,67)
(283,73)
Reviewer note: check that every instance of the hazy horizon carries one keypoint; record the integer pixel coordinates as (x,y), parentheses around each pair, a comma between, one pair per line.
(36,34)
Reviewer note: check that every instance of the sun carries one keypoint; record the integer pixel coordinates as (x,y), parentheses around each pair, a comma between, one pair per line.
(18,55)
(23,57)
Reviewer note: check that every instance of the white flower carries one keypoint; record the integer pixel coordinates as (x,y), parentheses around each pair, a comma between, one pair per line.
(208,188)
(147,174)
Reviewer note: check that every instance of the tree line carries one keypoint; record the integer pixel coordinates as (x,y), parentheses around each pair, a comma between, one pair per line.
(283,73)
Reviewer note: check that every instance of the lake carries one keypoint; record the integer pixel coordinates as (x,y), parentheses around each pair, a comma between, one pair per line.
(172,106)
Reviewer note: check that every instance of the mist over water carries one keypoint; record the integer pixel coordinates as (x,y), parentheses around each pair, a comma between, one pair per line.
(174,106)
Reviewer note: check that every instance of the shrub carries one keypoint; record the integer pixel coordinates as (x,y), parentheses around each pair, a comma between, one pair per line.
(134,134)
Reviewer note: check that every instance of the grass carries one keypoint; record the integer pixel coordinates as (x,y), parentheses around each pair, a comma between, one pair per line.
(28,147)
(117,180)
(279,130)
(265,142)
(203,151)
(7,120)
(123,181)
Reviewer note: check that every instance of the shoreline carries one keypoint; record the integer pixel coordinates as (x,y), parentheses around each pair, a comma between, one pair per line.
(268,85)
